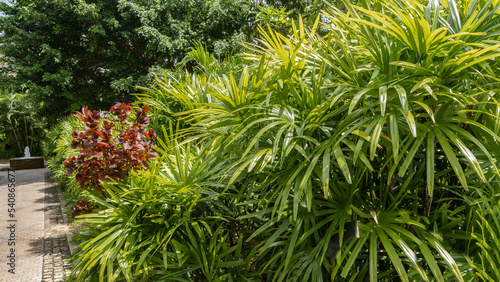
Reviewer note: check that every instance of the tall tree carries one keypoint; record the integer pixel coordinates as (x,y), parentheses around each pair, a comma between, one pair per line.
(67,53)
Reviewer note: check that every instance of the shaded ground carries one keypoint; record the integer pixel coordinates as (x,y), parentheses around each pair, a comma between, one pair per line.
(41,232)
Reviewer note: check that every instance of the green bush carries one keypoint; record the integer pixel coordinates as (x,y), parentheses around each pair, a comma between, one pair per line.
(171,222)
(369,153)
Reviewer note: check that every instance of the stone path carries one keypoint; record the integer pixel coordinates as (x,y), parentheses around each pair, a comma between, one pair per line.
(36,227)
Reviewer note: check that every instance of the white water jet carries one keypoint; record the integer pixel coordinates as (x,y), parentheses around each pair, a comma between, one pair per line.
(26,153)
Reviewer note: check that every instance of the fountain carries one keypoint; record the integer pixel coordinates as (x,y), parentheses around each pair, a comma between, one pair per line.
(27,162)
(27,152)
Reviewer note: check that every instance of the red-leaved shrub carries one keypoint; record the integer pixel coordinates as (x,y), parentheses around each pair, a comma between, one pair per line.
(111,147)
(83,207)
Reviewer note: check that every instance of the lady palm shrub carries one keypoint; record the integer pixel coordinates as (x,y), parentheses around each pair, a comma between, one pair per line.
(164,224)
(485,217)
(165,107)
(366,153)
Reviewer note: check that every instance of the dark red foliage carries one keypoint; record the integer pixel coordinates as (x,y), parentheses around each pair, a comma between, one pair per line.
(111,148)
(83,207)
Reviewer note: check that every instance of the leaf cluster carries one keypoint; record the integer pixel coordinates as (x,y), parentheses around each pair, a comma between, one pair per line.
(360,154)
(111,147)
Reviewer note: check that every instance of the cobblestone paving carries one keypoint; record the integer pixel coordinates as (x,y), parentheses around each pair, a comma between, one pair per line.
(41,245)
(55,245)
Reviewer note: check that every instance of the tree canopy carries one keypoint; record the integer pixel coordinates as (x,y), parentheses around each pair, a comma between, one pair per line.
(69,53)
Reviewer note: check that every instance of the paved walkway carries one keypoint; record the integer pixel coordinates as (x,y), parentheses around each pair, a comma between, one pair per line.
(36,226)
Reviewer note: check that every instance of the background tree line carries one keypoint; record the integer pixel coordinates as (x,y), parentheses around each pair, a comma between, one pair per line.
(67,53)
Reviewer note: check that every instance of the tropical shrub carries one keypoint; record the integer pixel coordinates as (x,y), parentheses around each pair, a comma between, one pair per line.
(366,153)
(164,223)
(110,148)
(164,108)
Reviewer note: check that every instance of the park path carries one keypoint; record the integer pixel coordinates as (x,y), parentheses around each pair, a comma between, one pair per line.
(37,226)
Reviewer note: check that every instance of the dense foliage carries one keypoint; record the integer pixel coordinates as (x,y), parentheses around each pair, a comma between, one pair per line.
(110,147)
(60,150)
(367,151)
(20,125)
(70,53)
(57,149)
